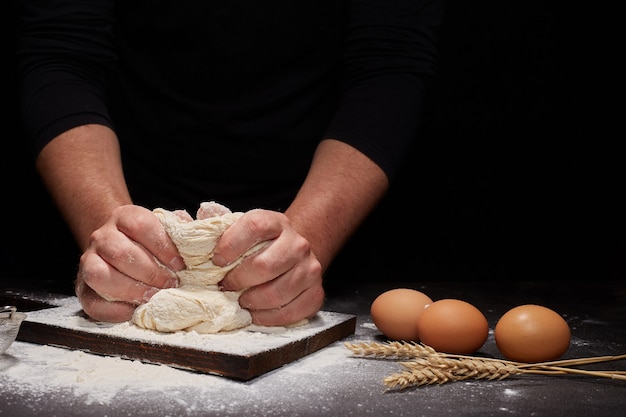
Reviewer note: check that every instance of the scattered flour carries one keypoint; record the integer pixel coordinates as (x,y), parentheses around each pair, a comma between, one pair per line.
(38,371)
(33,377)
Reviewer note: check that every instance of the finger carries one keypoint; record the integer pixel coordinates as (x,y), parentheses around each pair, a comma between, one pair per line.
(283,289)
(276,259)
(99,309)
(305,306)
(131,259)
(251,228)
(110,284)
(142,226)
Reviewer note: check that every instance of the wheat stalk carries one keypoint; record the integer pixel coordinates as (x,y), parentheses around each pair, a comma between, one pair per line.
(439,370)
(431,367)
(392,349)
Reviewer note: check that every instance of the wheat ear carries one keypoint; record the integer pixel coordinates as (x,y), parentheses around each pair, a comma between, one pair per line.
(431,367)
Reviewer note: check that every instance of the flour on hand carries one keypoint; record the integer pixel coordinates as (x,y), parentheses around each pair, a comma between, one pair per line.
(197,304)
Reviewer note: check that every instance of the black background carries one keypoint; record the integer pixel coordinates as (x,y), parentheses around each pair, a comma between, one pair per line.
(517,174)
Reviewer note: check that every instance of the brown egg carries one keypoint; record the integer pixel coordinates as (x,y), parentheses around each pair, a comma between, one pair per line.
(395,313)
(453,326)
(531,333)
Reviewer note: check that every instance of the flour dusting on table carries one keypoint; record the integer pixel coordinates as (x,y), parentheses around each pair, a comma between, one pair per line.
(99,380)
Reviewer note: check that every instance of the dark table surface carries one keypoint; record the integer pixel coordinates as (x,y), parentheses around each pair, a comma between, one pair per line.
(44,380)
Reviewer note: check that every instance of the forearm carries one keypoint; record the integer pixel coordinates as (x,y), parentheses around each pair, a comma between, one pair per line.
(82,171)
(341,189)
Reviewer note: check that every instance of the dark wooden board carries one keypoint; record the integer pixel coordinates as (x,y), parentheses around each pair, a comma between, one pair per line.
(53,321)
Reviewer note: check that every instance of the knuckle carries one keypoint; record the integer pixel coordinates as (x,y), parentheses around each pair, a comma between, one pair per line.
(278,298)
(137,221)
(154,277)
(97,237)
(262,264)
(301,246)
(91,270)
(257,221)
(315,269)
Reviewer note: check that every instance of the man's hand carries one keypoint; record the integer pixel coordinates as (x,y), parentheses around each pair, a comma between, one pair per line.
(283,281)
(119,269)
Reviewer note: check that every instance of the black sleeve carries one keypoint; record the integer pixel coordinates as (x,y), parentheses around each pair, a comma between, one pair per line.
(63,49)
(389,58)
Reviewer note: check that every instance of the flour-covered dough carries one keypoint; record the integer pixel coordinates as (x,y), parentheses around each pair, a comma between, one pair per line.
(197,304)
(192,308)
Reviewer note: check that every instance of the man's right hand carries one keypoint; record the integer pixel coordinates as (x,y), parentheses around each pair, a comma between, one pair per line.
(119,269)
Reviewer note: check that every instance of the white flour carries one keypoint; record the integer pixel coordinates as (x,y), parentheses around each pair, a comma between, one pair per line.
(32,373)
(36,371)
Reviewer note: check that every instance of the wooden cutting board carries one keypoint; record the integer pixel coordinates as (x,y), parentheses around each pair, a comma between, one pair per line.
(59,320)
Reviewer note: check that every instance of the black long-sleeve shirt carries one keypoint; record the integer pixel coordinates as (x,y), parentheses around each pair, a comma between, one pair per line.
(227,100)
